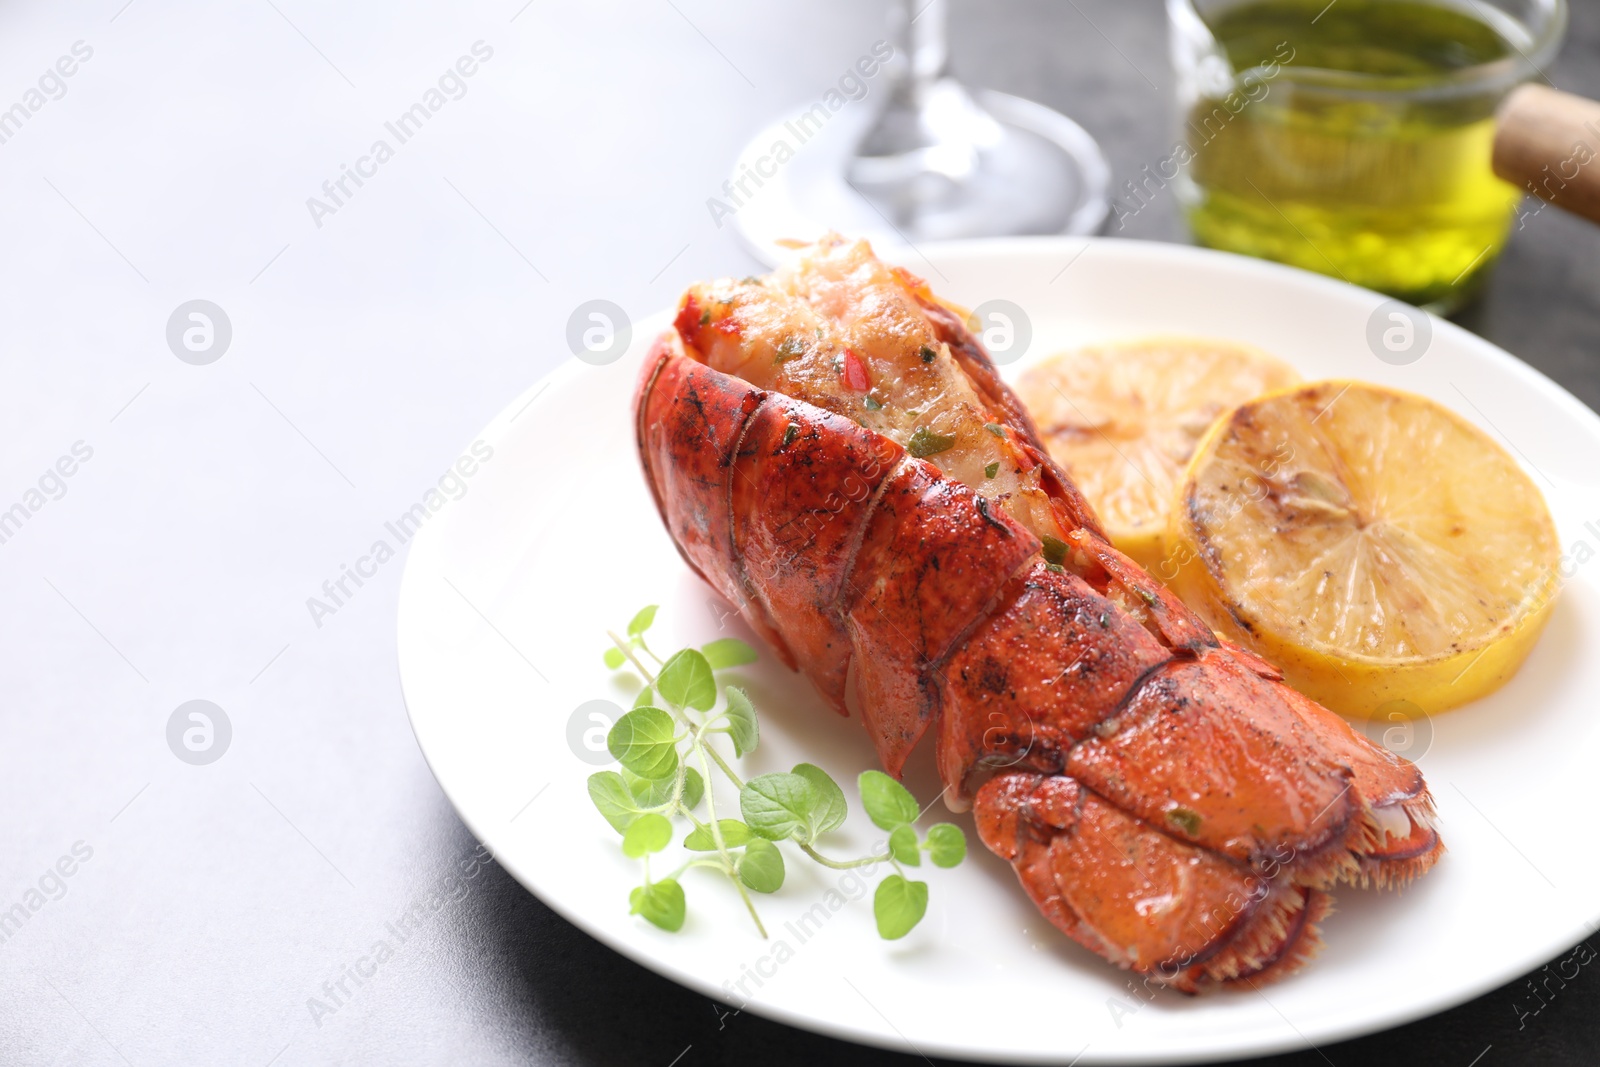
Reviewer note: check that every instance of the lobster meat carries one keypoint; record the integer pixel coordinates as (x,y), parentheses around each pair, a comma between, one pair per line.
(833,451)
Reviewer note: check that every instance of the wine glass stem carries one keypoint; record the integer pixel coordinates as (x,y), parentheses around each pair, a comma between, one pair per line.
(923,41)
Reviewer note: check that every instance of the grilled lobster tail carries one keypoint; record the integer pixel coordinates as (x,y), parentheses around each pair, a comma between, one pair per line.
(834,453)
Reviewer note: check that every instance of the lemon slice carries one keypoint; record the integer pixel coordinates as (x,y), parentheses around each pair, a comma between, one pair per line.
(1123,419)
(1383,552)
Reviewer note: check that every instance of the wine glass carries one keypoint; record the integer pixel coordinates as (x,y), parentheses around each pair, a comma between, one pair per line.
(933,160)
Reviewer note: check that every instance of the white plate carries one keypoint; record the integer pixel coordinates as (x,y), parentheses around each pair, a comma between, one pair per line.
(508,594)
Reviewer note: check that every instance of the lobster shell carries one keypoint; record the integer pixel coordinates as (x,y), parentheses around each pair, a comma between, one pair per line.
(1163,797)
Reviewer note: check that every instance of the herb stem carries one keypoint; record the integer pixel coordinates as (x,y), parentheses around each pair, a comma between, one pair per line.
(647,649)
(701,749)
(706,750)
(627,651)
(841,865)
(711,803)
(687,864)
(750,905)
(738,783)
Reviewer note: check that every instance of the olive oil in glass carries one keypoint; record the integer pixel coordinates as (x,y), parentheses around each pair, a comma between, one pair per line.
(1366,153)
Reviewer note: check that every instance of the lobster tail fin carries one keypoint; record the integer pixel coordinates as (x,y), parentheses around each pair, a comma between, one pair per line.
(1182,916)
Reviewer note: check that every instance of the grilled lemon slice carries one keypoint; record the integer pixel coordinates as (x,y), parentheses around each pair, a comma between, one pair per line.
(1123,419)
(1373,544)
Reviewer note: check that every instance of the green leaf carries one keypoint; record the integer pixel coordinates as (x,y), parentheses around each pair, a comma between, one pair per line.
(645,698)
(947,845)
(660,902)
(903,845)
(1054,550)
(641,622)
(899,905)
(741,716)
(925,443)
(777,806)
(789,348)
(1185,820)
(648,833)
(644,741)
(728,652)
(761,866)
(614,657)
(610,794)
(649,792)
(694,787)
(887,802)
(685,680)
(654,792)
(734,834)
(831,807)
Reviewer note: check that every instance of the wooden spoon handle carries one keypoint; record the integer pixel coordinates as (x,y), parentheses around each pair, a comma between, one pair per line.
(1548,143)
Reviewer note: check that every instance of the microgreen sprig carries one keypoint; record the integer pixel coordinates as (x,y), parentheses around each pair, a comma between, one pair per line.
(664,746)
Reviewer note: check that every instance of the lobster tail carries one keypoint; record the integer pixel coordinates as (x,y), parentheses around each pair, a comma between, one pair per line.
(834,453)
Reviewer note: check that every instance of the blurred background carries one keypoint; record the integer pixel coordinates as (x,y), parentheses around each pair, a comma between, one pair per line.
(359,342)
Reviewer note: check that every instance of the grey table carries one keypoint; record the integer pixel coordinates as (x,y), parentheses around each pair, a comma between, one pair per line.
(190,155)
